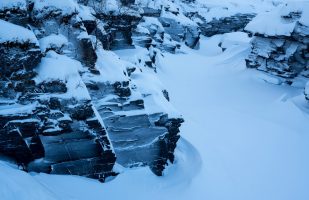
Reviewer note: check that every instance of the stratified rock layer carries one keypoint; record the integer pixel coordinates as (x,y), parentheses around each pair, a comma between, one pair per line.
(63,110)
(280,47)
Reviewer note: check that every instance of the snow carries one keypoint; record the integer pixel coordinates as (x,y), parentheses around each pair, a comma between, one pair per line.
(21,185)
(262,25)
(12,4)
(242,139)
(111,67)
(299,6)
(180,18)
(111,6)
(307,89)
(86,13)
(245,130)
(53,41)
(147,83)
(152,21)
(67,7)
(272,23)
(17,109)
(60,67)
(13,33)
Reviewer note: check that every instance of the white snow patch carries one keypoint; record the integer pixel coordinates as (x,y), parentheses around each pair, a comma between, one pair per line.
(67,7)
(53,41)
(17,109)
(60,67)
(12,4)
(13,33)
(272,23)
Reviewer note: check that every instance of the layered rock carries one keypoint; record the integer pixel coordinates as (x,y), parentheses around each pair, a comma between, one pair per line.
(280,46)
(70,107)
(223,25)
(44,125)
(307,91)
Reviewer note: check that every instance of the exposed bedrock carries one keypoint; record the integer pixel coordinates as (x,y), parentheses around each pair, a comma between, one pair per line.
(282,54)
(222,25)
(61,112)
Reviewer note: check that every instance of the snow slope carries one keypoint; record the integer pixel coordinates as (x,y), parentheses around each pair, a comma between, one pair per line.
(244,139)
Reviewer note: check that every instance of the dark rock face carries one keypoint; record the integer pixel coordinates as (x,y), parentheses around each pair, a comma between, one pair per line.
(121,27)
(223,25)
(180,32)
(16,13)
(15,56)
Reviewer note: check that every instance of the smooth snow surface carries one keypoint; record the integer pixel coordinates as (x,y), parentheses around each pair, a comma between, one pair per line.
(13,33)
(245,139)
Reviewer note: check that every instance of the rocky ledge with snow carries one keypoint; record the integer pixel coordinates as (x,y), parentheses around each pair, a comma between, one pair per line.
(79,90)
(68,106)
(281,41)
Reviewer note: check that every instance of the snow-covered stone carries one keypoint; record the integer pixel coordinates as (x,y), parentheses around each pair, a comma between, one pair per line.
(81,96)
(280,45)
(19,48)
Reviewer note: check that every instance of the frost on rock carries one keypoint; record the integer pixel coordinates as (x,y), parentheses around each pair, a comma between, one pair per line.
(70,107)
(280,45)
(19,48)
(307,91)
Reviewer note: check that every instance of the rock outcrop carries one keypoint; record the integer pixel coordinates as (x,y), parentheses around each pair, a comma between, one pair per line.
(70,107)
(223,25)
(280,46)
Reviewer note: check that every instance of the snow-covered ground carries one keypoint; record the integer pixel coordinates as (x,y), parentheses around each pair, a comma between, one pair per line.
(243,139)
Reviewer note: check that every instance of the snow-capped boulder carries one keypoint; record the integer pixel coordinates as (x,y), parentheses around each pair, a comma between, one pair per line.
(52,8)
(307,91)
(19,48)
(223,25)
(14,11)
(280,45)
(53,42)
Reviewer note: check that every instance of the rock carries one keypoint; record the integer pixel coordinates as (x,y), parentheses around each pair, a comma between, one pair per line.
(87,52)
(189,33)
(230,24)
(82,112)
(19,48)
(15,12)
(55,86)
(64,111)
(122,89)
(282,53)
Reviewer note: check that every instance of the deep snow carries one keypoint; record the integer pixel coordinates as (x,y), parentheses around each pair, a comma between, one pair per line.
(244,139)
